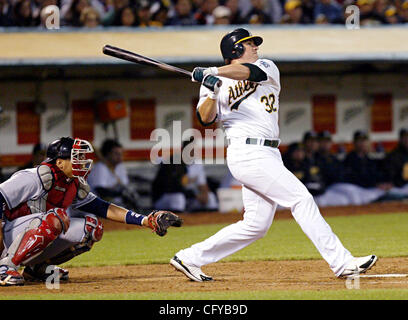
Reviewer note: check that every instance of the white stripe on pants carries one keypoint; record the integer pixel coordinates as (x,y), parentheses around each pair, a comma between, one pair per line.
(266,183)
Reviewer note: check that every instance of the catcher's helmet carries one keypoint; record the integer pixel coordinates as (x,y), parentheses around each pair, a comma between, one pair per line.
(77,151)
(60,149)
(231,44)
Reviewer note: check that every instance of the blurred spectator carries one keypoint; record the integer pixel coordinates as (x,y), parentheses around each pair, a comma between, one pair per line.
(72,12)
(309,173)
(367,14)
(222,15)
(159,11)
(360,168)
(308,10)
(127,17)
(199,196)
(274,9)
(168,187)
(257,14)
(183,15)
(196,5)
(379,8)
(38,155)
(236,15)
(6,13)
(311,145)
(183,187)
(109,178)
(89,18)
(294,159)
(294,13)
(362,181)
(396,161)
(23,15)
(144,15)
(328,163)
(111,11)
(328,9)
(204,14)
(403,12)
(391,16)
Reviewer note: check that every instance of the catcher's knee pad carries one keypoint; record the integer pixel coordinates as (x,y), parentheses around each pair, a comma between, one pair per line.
(62,218)
(93,228)
(39,234)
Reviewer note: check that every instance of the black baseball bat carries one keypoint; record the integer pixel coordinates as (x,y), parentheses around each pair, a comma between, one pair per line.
(138,58)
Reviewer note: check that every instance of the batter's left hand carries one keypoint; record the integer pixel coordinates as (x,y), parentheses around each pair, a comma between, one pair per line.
(198,74)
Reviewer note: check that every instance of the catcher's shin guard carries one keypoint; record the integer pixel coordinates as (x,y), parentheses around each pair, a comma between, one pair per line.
(41,232)
(93,231)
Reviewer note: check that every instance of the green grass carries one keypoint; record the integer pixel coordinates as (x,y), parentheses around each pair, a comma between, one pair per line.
(384,235)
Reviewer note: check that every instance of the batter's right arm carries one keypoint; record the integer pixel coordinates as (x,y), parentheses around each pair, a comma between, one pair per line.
(208,110)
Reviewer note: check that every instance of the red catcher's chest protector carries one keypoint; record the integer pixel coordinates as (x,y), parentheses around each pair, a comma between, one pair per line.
(60,192)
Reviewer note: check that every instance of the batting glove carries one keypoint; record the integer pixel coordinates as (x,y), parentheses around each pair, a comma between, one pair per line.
(214,84)
(199,73)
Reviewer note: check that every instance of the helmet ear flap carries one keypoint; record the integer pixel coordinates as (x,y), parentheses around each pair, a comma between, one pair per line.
(238,50)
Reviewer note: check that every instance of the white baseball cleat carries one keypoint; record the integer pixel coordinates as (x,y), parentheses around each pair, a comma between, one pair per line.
(359,265)
(191,272)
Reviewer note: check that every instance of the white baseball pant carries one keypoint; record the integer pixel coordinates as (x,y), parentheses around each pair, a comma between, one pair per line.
(267,183)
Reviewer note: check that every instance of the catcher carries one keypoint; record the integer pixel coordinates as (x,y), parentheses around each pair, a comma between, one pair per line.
(49,216)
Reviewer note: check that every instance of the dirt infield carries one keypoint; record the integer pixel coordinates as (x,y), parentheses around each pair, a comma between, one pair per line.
(233,276)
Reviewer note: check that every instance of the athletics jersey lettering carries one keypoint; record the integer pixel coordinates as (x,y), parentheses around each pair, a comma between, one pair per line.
(243,87)
(246,108)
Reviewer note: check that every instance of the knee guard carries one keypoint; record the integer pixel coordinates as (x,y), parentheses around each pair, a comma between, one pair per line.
(93,231)
(39,234)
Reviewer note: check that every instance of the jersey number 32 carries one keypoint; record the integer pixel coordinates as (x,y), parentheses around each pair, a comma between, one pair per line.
(269,102)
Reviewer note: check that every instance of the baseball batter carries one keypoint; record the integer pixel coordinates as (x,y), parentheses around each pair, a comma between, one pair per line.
(247,104)
(50,216)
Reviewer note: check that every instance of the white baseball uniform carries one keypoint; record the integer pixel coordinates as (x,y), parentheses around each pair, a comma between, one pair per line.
(250,110)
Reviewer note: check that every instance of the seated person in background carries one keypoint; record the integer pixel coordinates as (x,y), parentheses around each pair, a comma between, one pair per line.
(311,146)
(307,172)
(257,13)
(328,163)
(396,165)
(361,178)
(294,13)
(109,178)
(38,155)
(183,187)
(182,15)
(330,9)
(168,186)
(360,168)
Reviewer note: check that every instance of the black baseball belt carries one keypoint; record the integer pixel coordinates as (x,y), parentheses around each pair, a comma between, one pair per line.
(261,142)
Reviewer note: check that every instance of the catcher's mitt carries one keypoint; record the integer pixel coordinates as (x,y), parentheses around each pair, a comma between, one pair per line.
(160,221)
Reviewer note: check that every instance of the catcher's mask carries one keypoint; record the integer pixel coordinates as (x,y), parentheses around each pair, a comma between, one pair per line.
(78,151)
(231,44)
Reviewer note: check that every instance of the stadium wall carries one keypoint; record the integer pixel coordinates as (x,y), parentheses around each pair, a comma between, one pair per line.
(340,104)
